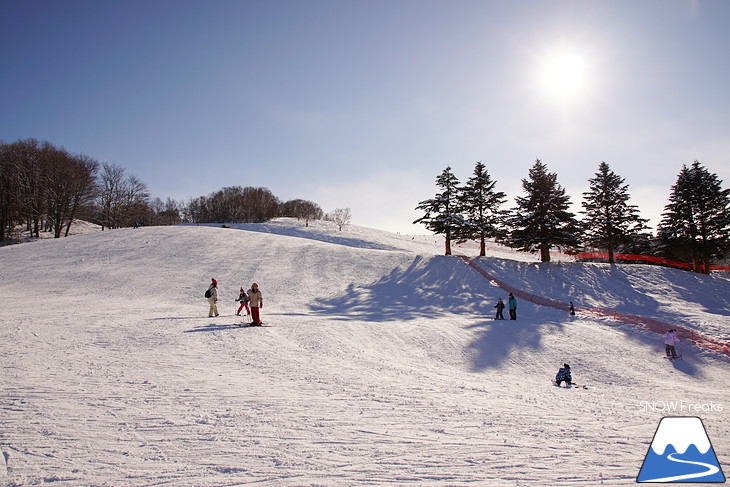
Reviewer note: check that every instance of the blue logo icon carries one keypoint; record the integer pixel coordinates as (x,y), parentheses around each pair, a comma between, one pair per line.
(681,452)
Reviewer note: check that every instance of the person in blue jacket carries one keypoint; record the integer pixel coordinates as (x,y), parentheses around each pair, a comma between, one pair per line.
(512,307)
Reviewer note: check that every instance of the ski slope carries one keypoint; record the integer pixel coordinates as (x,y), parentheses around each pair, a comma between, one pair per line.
(383,365)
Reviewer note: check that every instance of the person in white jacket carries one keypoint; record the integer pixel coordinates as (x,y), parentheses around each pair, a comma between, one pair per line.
(670,339)
(256,301)
(213,299)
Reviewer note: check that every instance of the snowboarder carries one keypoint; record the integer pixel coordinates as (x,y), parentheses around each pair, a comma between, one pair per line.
(670,339)
(243,299)
(213,298)
(500,308)
(564,375)
(256,300)
(512,307)
(572,309)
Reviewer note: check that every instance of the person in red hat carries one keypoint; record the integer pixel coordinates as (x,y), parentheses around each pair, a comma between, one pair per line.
(213,298)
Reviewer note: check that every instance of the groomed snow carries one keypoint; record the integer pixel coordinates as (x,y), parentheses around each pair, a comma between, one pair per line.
(383,365)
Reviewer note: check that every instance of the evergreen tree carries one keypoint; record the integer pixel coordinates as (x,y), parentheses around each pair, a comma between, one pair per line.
(480,207)
(442,212)
(541,219)
(696,222)
(610,221)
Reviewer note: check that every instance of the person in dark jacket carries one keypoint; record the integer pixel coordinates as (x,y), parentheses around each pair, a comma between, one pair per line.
(564,375)
(243,299)
(500,308)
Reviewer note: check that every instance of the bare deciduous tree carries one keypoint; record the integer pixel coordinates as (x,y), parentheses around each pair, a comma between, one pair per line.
(342,217)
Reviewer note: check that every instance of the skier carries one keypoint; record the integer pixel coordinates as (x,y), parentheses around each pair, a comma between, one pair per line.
(243,299)
(564,375)
(256,300)
(213,298)
(500,308)
(572,309)
(670,339)
(512,307)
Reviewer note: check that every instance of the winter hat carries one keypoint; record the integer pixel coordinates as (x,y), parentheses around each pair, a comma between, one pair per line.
(566,366)
(214,281)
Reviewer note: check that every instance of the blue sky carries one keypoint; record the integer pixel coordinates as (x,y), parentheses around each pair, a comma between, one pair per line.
(361,104)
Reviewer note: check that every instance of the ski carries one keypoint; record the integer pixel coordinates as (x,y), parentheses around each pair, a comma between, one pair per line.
(571,386)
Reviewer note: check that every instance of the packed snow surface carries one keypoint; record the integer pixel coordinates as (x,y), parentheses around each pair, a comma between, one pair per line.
(383,364)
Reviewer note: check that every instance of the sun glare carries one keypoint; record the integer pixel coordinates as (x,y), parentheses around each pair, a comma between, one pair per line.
(564,74)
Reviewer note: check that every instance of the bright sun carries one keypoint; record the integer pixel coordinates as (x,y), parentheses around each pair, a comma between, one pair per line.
(564,74)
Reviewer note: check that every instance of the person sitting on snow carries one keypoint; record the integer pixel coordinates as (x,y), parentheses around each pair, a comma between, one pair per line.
(564,375)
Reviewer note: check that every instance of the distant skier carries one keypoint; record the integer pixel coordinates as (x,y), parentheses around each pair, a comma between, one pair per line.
(243,299)
(256,300)
(213,298)
(572,309)
(564,375)
(670,339)
(512,307)
(500,308)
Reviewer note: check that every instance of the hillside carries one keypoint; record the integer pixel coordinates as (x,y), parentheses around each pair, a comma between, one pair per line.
(383,365)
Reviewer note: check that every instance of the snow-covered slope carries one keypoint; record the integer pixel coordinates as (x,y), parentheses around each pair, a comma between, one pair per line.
(383,365)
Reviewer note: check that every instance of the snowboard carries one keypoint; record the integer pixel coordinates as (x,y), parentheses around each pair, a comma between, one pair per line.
(251,325)
(572,386)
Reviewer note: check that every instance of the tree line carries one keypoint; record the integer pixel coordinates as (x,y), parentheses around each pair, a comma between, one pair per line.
(44,188)
(695,225)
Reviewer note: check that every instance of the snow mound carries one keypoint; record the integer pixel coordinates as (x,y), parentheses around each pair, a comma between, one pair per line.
(383,364)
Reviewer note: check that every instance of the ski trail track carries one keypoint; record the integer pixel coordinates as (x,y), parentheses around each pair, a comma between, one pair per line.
(382,367)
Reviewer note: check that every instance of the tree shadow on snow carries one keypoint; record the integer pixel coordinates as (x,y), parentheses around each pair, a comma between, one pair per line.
(600,285)
(710,293)
(440,287)
(428,287)
(498,339)
(309,234)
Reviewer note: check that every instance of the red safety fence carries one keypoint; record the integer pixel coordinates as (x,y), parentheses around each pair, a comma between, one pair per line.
(650,324)
(646,258)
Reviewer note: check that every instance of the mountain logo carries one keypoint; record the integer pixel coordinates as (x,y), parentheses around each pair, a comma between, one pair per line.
(681,452)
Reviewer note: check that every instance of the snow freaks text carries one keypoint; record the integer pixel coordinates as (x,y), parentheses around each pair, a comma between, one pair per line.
(680,406)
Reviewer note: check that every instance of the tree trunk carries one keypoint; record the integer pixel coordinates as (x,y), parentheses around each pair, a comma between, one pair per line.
(610,253)
(544,252)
